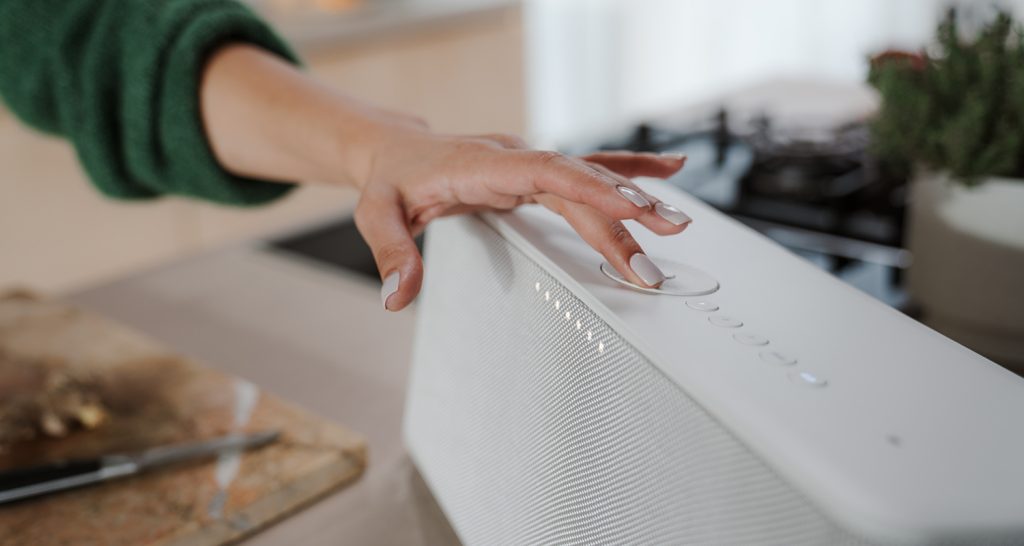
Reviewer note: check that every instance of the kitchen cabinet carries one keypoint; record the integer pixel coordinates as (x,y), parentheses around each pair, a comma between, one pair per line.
(461,73)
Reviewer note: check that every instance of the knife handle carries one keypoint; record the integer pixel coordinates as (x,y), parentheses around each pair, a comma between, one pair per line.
(24,483)
(21,477)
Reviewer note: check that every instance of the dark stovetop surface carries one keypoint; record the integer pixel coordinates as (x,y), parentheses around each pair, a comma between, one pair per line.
(337,244)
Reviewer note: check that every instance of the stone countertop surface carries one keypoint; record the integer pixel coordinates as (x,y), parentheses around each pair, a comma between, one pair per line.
(316,337)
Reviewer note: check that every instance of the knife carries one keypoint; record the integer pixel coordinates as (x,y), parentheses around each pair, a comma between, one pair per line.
(34,481)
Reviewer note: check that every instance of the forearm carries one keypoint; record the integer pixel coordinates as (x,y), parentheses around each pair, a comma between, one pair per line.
(266,119)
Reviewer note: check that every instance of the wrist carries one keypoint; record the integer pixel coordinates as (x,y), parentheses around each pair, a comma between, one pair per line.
(338,146)
(361,136)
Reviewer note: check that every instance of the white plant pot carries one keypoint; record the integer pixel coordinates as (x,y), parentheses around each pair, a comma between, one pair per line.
(968,269)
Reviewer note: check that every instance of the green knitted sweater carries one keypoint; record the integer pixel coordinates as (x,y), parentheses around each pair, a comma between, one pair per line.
(120,80)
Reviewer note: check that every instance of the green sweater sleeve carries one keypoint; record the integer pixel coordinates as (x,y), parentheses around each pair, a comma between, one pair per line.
(120,80)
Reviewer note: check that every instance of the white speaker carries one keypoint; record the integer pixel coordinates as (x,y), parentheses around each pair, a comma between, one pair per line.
(757,400)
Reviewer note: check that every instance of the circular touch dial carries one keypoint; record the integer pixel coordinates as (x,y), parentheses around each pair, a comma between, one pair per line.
(681,280)
(748,338)
(725,321)
(702,305)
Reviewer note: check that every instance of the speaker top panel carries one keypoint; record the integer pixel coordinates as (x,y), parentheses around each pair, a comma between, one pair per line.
(893,429)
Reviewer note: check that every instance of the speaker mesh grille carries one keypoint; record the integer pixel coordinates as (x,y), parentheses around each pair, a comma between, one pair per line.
(535,423)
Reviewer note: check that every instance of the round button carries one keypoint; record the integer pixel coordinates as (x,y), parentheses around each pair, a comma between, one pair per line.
(725,321)
(750,339)
(777,358)
(807,379)
(702,305)
(680,280)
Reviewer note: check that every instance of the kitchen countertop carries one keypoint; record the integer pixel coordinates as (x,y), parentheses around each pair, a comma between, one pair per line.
(316,337)
(312,29)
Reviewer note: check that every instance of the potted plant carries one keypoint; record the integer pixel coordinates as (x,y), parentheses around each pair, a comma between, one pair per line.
(953,117)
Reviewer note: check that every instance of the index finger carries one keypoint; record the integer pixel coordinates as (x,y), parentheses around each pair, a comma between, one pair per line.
(610,238)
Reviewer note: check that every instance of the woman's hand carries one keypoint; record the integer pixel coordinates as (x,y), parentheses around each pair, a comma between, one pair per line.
(417,176)
(266,119)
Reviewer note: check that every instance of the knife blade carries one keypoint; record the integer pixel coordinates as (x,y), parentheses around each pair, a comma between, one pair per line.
(18,484)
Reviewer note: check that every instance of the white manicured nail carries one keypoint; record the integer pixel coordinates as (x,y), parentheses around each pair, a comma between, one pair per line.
(645,269)
(390,287)
(672,214)
(674,155)
(633,196)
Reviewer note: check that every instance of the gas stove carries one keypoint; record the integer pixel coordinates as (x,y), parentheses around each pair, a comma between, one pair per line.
(816,190)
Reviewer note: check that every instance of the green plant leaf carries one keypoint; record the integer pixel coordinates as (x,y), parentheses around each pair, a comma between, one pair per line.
(963,110)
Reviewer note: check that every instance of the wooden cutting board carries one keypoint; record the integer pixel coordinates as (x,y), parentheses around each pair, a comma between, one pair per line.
(155,397)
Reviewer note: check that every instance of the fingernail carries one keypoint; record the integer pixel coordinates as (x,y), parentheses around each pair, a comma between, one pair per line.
(390,287)
(674,155)
(645,269)
(633,196)
(672,214)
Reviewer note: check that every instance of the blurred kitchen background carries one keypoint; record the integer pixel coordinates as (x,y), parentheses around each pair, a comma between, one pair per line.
(767,98)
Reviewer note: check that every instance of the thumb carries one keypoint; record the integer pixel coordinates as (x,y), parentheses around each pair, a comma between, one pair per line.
(380,219)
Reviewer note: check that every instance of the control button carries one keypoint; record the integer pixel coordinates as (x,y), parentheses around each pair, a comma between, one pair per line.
(680,280)
(777,358)
(750,339)
(725,321)
(807,379)
(702,305)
